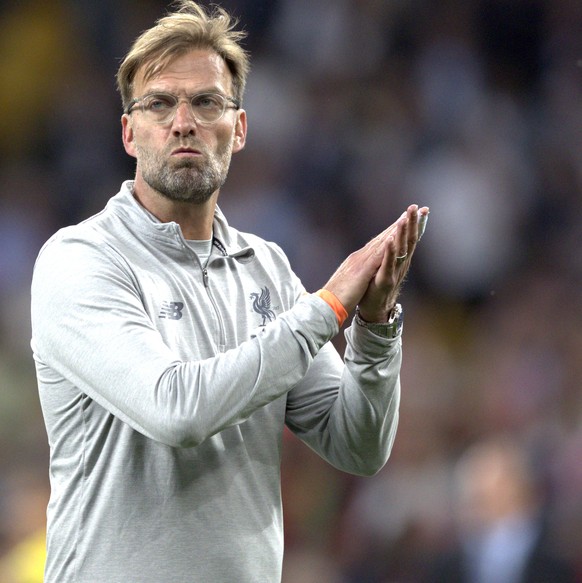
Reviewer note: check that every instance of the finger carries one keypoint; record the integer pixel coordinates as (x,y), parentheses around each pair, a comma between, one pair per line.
(391,253)
(403,243)
(412,214)
(389,250)
(422,219)
(417,216)
(387,268)
(413,218)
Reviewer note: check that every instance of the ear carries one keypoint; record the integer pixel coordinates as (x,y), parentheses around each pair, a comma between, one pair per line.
(127,134)
(240,131)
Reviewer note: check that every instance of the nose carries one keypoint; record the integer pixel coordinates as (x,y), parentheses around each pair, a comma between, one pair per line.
(184,122)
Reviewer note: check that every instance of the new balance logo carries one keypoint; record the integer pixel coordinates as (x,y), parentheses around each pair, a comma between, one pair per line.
(172,310)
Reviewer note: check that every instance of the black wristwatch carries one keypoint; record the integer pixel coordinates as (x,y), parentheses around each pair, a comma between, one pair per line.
(390,329)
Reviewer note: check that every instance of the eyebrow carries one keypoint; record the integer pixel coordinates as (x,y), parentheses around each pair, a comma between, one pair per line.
(206,90)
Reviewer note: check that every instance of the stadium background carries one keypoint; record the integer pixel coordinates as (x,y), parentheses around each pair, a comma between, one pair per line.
(356,108)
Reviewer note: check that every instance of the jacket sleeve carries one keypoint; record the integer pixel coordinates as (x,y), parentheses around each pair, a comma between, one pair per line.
(348,412)
(90,327)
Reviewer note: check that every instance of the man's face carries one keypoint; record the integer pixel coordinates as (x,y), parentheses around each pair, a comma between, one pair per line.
(184,160)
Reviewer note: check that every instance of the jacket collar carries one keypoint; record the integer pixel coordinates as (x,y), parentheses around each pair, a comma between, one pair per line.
(124,204)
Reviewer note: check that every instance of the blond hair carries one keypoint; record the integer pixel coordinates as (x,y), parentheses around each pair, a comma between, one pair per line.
(189,27)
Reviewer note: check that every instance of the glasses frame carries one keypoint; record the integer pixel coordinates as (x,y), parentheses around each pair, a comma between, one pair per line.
(134,104)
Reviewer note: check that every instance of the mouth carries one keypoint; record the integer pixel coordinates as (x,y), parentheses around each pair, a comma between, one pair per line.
(185,152)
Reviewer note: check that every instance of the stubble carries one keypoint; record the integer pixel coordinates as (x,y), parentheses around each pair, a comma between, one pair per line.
(185,180)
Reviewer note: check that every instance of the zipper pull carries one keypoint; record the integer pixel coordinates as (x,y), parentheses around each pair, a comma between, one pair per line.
(205,277)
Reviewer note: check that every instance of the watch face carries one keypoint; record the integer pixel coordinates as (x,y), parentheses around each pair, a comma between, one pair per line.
(398,328)
(396,314)
(396,320)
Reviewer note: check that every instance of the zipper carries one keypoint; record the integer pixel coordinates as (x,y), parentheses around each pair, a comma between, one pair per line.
(222,330)
(205,279)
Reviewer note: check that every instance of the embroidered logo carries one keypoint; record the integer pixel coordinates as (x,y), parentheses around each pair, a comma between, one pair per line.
(262,304)
(171,310)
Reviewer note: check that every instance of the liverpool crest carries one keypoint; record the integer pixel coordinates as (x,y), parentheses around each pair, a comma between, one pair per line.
(262,304)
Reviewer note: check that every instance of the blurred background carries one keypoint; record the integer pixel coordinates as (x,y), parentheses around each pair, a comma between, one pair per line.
(356,109)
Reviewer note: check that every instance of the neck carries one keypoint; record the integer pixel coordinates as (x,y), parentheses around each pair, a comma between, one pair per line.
(195,219)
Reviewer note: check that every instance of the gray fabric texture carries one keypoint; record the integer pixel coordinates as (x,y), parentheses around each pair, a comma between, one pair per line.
(165,388)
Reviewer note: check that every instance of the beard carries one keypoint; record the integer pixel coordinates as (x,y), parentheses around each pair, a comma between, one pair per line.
(191,181)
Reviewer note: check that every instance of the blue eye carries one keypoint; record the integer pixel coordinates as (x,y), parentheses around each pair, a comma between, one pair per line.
(207,101)
(159,103)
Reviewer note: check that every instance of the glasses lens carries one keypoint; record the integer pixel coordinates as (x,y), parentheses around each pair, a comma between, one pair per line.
(160,107)
(208,107)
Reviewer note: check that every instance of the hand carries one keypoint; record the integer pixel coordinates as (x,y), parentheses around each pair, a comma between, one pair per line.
(372,276)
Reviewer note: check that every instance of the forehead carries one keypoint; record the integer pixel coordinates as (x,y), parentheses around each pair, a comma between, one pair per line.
(195,70)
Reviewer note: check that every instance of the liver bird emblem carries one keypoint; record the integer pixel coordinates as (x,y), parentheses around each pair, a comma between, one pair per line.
(262,304)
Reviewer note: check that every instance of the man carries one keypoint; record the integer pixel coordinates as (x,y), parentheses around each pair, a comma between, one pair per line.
(171,349)
(502,531)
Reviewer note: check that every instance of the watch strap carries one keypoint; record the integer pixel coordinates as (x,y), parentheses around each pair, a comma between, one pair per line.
(390,329)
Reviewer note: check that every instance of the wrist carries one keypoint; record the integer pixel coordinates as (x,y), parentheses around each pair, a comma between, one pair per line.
(332,301)
(380,316)
(389,327)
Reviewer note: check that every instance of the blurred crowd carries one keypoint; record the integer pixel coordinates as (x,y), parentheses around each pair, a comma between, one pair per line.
(356,109)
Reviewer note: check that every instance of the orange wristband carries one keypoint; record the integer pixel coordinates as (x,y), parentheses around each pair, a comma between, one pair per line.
(328,297)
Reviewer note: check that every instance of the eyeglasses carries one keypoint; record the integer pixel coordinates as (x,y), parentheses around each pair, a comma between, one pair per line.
(207,108)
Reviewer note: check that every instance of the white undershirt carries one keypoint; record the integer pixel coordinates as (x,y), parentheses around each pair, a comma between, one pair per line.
(201,248)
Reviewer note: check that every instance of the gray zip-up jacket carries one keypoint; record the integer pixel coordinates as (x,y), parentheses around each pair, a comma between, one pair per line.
(165,386)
